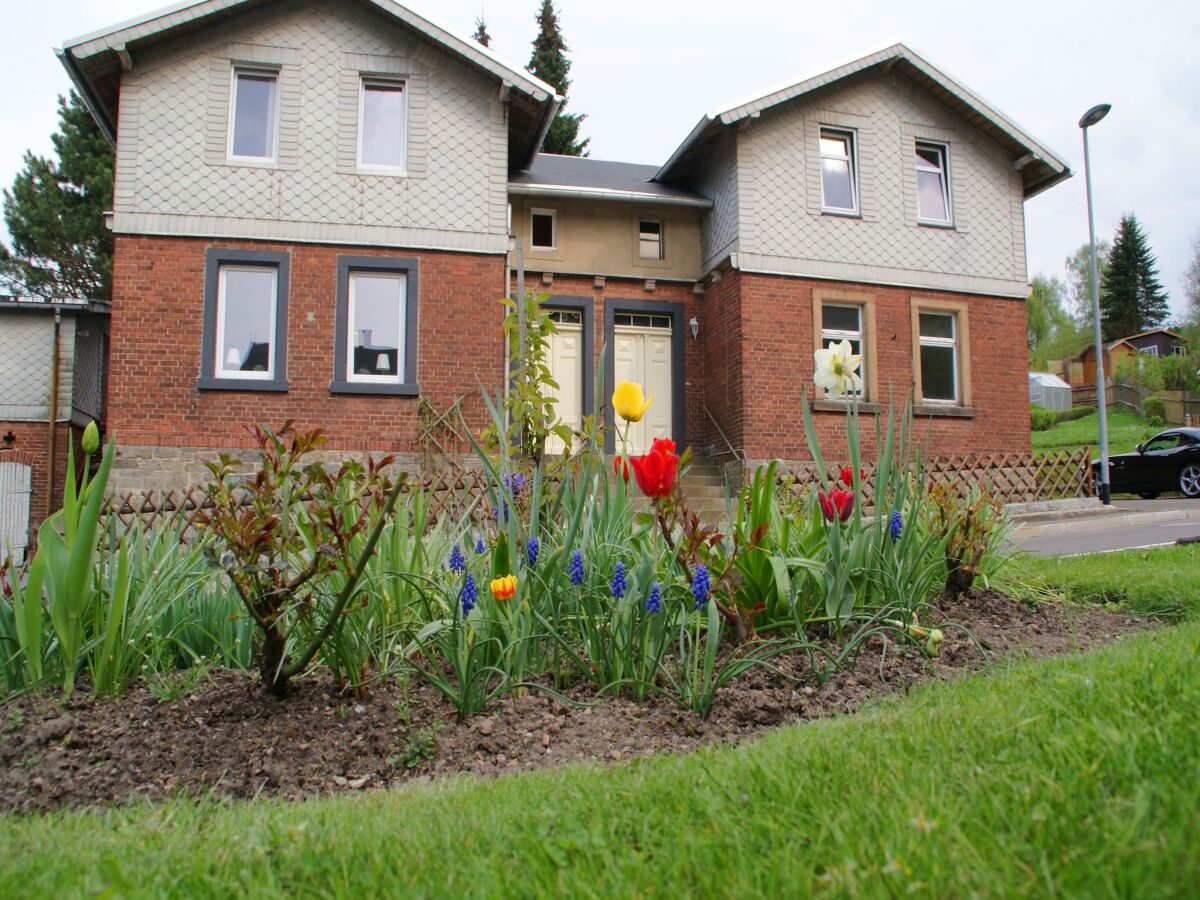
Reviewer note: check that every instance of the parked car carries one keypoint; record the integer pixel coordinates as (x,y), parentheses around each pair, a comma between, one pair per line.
(1169,461)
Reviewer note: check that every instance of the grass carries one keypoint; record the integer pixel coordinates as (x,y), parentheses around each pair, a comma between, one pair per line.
(1061,777)
(1125,430)
(1161,581)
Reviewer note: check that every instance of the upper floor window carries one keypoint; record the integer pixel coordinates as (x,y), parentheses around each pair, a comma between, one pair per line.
(543,225)
(933,183)
(382,126)
(650,239)
(839,176)
(253,114)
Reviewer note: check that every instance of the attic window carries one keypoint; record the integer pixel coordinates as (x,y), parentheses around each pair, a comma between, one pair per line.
(933,183)
(383,126)
(542,227)
(650,239)
(253,114)
(839,171)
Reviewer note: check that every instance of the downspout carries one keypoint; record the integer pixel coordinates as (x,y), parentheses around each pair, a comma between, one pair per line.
(52,437)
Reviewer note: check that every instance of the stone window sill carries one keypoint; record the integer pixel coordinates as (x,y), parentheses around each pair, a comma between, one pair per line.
(365,387)
(842,406)
(949,411)
(209,383)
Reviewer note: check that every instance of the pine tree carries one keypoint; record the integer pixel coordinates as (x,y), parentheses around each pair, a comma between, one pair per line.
(549,63)
(481,35)
(55,214)
(1132,298)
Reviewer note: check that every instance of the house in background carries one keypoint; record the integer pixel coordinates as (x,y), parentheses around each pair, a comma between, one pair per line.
(317,206)
(1081,368)
(51,385)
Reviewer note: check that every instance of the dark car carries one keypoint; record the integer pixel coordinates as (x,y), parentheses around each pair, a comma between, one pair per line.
(1169,461)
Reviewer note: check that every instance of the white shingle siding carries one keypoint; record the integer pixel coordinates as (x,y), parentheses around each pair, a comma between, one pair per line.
(172,173)
(718,181)
(781,227)
(26,350)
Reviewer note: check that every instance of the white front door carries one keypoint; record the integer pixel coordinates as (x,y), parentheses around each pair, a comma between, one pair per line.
(565,359)
(642,354)
(15,483)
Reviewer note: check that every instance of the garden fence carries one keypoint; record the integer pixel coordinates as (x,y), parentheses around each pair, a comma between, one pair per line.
(1179,407)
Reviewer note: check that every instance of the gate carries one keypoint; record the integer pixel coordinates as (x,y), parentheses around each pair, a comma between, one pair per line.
(16,477)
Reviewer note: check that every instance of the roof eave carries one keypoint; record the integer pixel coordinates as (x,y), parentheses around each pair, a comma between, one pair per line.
(593,193)
(107,126)
(701,126)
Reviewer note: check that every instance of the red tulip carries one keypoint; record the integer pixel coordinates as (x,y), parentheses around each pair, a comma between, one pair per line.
(836,504)
(655,471)
(847,475)
(619,463)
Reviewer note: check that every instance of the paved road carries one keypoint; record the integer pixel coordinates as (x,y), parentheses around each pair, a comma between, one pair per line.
(1100,540)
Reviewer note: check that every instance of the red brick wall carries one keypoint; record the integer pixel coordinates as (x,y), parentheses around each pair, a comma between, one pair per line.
(727,360)
(157,315)
(31,446)
(694,365)
(778,348)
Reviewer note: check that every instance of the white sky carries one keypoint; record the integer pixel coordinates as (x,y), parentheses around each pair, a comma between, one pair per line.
(644,72)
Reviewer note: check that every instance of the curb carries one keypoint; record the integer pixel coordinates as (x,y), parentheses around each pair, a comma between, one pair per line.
(1106,521)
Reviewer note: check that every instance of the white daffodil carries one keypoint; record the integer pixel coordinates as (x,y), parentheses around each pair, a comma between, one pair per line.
(837,369)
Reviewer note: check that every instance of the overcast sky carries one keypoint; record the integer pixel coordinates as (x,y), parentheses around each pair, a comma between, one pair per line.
(644,72)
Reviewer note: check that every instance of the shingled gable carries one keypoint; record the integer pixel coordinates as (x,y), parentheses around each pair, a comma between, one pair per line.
(1040,167)
(95,62)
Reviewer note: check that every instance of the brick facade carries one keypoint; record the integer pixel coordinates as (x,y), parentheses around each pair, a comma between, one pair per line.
(31,447)
(157,315)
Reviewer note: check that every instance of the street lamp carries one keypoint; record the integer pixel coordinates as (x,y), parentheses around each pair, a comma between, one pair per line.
(1090,118)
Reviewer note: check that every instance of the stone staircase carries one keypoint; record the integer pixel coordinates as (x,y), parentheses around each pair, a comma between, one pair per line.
(704,488)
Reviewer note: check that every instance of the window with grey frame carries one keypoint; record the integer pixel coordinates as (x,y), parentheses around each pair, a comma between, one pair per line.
(839,171)
(244,333)
(939,357)
(933,183)
(376,326)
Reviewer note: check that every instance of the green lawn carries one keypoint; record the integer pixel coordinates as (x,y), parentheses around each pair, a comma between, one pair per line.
(1067,777)
(1161,581)
(1125,429)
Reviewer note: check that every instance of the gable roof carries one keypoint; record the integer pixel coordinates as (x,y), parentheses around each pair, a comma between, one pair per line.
(1040,167)
(94,61)
(552,175)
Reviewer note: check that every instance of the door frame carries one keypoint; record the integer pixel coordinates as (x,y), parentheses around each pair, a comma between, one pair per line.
(567,303)
(672,308)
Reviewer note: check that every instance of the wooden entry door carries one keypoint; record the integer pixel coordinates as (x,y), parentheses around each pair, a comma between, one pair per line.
(642,354)
(565,359)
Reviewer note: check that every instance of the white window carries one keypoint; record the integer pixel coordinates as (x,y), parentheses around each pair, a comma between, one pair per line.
(253,114)
(378,317)
(246,310)
(939,357)
(839,323)
(839,176)
(382,126)
(1152,350)
(933,183)
(650,239)
(543,225)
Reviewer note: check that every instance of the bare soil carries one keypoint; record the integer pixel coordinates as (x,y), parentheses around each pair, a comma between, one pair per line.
(231,739)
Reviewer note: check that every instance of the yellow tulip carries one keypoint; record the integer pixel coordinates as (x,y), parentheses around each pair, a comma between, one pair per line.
(504,588)
(630,402)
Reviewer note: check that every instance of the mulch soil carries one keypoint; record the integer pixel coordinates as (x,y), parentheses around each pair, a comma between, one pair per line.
(230,739)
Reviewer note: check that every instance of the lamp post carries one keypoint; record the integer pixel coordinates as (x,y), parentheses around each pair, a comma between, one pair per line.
(1090,118)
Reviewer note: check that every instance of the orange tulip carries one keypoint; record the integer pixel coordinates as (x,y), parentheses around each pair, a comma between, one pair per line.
(504,588)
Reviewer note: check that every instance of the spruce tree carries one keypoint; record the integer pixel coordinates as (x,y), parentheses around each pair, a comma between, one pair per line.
(481,35)
(55,214)
(1132,298)
(549,63)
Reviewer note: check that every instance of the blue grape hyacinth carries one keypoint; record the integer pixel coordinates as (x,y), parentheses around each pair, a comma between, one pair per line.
(469,594)
(896,525)
(575,570)
(458,563)
(531,551)
(618,581)
(479,548)
(654,601)
(700,587)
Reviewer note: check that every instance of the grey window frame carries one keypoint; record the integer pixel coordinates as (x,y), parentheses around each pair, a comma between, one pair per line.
(943,150)
(379,265)
(214,259)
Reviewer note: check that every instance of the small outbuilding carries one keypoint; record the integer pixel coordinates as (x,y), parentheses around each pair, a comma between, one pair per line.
(1049,391)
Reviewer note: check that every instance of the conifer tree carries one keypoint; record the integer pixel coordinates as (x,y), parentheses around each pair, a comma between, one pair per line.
(549,63)
(55,214)
(1132,298)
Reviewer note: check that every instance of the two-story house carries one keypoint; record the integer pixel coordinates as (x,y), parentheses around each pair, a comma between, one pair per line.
(317,206)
